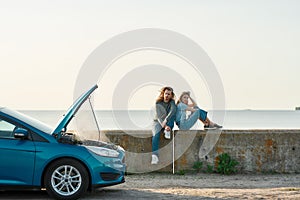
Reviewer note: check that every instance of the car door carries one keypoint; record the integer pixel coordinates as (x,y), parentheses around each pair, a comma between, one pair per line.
(17,156)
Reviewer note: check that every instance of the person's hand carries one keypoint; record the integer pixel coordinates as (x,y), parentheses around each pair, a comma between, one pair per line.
(167,128)
(163,124)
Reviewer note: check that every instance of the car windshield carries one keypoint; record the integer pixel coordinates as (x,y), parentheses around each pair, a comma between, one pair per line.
(28,120)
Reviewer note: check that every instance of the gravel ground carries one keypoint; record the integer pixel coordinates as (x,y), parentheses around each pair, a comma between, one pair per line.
(190,186)
(206,186)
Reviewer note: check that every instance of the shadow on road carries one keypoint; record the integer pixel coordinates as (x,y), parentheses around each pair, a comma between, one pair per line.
(99,194)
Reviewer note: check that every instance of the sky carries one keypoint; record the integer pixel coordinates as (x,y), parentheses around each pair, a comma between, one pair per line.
(254,45)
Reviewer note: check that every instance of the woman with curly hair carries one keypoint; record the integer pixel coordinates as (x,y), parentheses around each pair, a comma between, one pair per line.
(165,113)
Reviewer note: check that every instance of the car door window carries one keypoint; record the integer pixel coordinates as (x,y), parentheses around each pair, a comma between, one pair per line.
(6,129)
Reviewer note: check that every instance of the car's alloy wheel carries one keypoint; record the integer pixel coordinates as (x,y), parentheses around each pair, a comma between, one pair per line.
(66,179)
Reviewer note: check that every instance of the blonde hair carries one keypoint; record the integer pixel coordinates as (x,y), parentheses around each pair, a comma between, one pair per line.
(182,94)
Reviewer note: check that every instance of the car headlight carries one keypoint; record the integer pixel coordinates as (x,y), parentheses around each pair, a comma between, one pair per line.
(121,149)
(101,151)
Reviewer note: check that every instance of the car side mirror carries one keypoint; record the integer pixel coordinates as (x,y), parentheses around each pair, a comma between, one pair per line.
(21,133)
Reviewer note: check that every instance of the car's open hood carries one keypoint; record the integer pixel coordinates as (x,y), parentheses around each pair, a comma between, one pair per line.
(65,120)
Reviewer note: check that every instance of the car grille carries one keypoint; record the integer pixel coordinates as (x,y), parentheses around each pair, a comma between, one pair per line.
(109,176)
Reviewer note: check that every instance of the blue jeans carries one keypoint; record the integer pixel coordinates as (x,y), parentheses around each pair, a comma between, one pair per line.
(192,119)
(156,137)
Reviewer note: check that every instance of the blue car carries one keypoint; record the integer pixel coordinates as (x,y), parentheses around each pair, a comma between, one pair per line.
(35,155)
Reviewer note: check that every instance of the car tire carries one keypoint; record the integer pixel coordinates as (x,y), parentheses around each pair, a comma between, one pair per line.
(66,179)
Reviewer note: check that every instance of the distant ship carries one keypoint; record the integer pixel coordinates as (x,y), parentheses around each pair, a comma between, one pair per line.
(297,108)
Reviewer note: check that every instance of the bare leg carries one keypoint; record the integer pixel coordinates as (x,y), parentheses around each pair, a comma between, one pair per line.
(207,122)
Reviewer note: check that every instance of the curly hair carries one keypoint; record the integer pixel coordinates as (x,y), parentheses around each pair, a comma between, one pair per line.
(162,91)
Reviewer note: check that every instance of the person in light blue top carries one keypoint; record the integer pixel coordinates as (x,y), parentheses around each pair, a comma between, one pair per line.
(185,122)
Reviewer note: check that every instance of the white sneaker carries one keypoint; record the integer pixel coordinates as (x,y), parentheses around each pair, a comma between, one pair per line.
(154,160)
(167,134)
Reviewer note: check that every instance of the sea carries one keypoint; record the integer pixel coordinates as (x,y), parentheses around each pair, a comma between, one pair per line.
(142,119)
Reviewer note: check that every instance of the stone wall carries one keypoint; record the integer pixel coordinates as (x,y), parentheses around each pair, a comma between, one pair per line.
(255,150)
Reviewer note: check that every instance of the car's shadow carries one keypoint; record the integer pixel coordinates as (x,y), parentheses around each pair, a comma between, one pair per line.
(24,194)
(100,194)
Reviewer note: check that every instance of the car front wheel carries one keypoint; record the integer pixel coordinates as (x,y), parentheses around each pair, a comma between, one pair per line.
(66,179)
